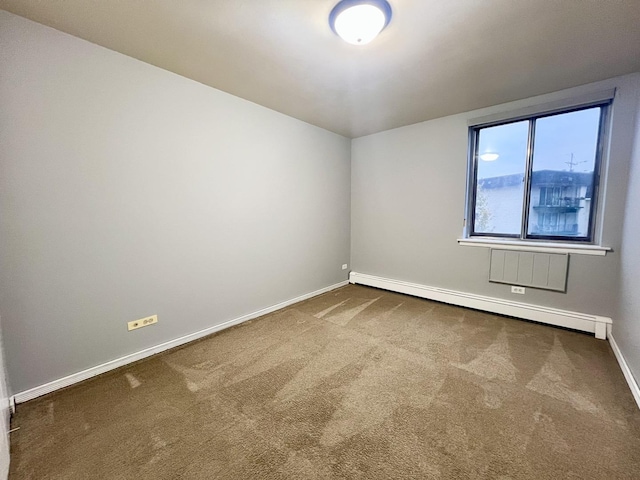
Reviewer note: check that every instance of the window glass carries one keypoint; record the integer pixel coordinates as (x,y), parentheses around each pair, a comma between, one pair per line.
(501,165)
(544,165)
(562,179)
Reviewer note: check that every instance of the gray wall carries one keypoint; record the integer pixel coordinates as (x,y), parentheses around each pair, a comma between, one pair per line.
(5,415)
(127,191)
(626,328)
(408,196)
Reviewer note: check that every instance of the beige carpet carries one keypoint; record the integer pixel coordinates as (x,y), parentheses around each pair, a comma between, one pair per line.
(357,383)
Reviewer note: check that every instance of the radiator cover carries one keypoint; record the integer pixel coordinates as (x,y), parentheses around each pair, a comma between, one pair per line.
(530,269)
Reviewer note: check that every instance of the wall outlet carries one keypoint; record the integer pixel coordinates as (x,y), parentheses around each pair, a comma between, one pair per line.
(519,290)
(344,266)
(142,322)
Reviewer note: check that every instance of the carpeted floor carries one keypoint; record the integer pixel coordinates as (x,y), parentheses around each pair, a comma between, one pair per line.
(357,383)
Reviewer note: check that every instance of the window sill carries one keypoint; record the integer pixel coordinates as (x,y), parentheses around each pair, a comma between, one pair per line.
(547,247)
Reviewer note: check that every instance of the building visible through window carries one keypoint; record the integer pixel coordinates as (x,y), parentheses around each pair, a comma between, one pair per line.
(560,202)
(536,178)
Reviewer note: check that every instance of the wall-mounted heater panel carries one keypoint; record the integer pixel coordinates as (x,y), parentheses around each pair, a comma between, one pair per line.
(530,269)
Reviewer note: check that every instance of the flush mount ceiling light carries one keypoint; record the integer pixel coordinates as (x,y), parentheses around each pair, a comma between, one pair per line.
(489,157)
(359,21)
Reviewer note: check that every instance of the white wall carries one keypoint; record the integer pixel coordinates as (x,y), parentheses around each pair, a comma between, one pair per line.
(128,191)
(408,203)
(626,328)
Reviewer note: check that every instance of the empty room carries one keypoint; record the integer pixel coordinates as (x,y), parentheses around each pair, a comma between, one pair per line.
(319,239)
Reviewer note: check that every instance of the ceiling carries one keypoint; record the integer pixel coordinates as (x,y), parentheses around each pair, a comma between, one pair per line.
(435,58)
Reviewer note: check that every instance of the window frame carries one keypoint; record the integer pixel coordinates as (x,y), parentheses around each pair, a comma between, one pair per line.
(524,236)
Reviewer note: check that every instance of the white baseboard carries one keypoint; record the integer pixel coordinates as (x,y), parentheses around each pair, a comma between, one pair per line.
(147,352)
(563,318)
(633,385)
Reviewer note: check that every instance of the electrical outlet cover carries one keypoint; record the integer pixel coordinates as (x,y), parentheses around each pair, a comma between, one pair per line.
(142,322)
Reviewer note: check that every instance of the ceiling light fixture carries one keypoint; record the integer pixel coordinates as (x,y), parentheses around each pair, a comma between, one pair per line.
(359,21)
(489,157)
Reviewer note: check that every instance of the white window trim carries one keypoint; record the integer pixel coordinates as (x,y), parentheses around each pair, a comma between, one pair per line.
(546,247)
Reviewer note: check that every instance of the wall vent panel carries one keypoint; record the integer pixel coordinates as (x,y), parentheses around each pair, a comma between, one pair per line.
(530,269)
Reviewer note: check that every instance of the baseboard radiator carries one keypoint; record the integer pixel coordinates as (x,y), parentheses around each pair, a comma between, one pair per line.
(598,325)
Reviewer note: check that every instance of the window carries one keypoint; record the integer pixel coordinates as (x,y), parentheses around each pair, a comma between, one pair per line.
(536,178)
